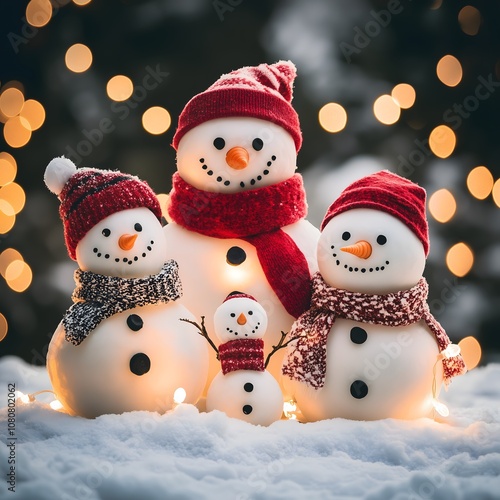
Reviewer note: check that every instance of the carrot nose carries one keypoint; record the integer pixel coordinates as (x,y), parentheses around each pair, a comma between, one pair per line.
(241,319)
(361,249)
(237,158)
(126,241)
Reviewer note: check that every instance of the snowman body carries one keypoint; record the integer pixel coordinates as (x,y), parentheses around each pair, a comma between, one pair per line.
(210,268)
(243,389)
(373,371)
(137,358)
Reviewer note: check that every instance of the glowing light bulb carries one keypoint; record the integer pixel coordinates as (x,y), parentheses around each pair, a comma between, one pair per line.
(180,395)
(24,398)
(440,408)
(289,409)
(56,405)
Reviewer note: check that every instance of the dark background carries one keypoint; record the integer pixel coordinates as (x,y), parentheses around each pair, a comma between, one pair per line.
(196,41)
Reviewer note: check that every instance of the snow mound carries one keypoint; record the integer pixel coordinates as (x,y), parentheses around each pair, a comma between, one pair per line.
(186,454)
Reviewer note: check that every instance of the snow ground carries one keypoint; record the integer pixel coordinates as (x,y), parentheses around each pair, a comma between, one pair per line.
(190,455)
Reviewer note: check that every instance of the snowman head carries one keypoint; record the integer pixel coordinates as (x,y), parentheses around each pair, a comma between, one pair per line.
(374,236)
(109,219)
(240,316)
(242,132)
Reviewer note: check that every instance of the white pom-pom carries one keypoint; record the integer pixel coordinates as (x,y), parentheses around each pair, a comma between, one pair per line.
(57,173)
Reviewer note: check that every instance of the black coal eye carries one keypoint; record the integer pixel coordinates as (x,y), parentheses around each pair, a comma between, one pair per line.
(233,315)
(257,144)
(138,227)
(381,239)
(219,143)
(346,235)
(250,313)
(106,232)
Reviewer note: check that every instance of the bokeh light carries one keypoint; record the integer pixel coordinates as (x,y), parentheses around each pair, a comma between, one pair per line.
(81,2)
(442,205)
(156,120)
(471,352)
(17,132)
(8,168)
(7,220)
(4,327)
(386,110)
(480,182)
(38,12)
(6,257)
(460,259)
(469,19)
(18,275)
(34,113)
(332,117)
(442,141)
(496,192)
(404,95)
(78,58)
(11,102)
(119,88)
(449,70)
(14,195)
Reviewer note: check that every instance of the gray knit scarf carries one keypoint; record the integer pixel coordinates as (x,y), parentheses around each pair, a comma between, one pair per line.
(97,297)
(306,359)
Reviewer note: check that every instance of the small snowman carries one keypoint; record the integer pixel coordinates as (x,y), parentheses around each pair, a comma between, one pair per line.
(243,389)
(369,347)
(121,346)
(237,206)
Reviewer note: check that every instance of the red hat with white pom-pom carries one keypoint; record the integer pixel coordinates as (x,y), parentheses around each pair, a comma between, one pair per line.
(264,91)
(89,195)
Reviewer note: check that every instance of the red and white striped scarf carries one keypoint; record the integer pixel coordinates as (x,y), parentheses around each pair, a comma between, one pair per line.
(306,359)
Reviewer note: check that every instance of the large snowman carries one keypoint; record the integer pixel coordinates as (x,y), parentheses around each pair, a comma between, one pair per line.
(237,206)
(121,346)
(243,388)
(369,348)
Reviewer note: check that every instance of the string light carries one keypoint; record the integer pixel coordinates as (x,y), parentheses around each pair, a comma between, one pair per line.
(332,117)
(179,395)
(31,398)
(386,110)
(451,351)
(442,141)
(449,70)
(289,409)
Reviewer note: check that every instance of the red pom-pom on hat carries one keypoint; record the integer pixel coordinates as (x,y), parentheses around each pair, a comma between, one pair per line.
(264,91)
(390,193)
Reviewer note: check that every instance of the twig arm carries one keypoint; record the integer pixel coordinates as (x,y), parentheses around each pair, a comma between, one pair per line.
(202,330)
(281,345)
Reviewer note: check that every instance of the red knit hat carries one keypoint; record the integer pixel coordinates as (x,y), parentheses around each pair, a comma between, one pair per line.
(388,192)
(263,91)
(89,195)
(239,295)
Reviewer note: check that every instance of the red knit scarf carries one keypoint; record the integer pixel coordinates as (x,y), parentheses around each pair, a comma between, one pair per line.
(255,216)
(242,354)
(306,361)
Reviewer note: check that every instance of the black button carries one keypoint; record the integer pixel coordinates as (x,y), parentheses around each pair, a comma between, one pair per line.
(247,409)
(248,387)
(140,364)
(134,322)
(359,389)
(358,335)
(236,256)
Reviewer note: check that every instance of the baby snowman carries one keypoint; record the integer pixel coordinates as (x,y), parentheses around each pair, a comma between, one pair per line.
(369,348)
(243,389)
(121,346)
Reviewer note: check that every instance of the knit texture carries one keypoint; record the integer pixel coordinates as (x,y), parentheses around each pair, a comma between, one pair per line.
(242,354)
(97,297)
(255,216)
(263,91)
(306,359)
(388,192)
(91,195)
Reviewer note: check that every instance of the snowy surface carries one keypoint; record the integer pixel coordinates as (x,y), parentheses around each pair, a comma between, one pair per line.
(190,455)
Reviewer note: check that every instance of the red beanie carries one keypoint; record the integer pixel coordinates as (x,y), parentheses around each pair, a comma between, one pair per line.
(263,91)
(239,295)
(388,192)
(89,195)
